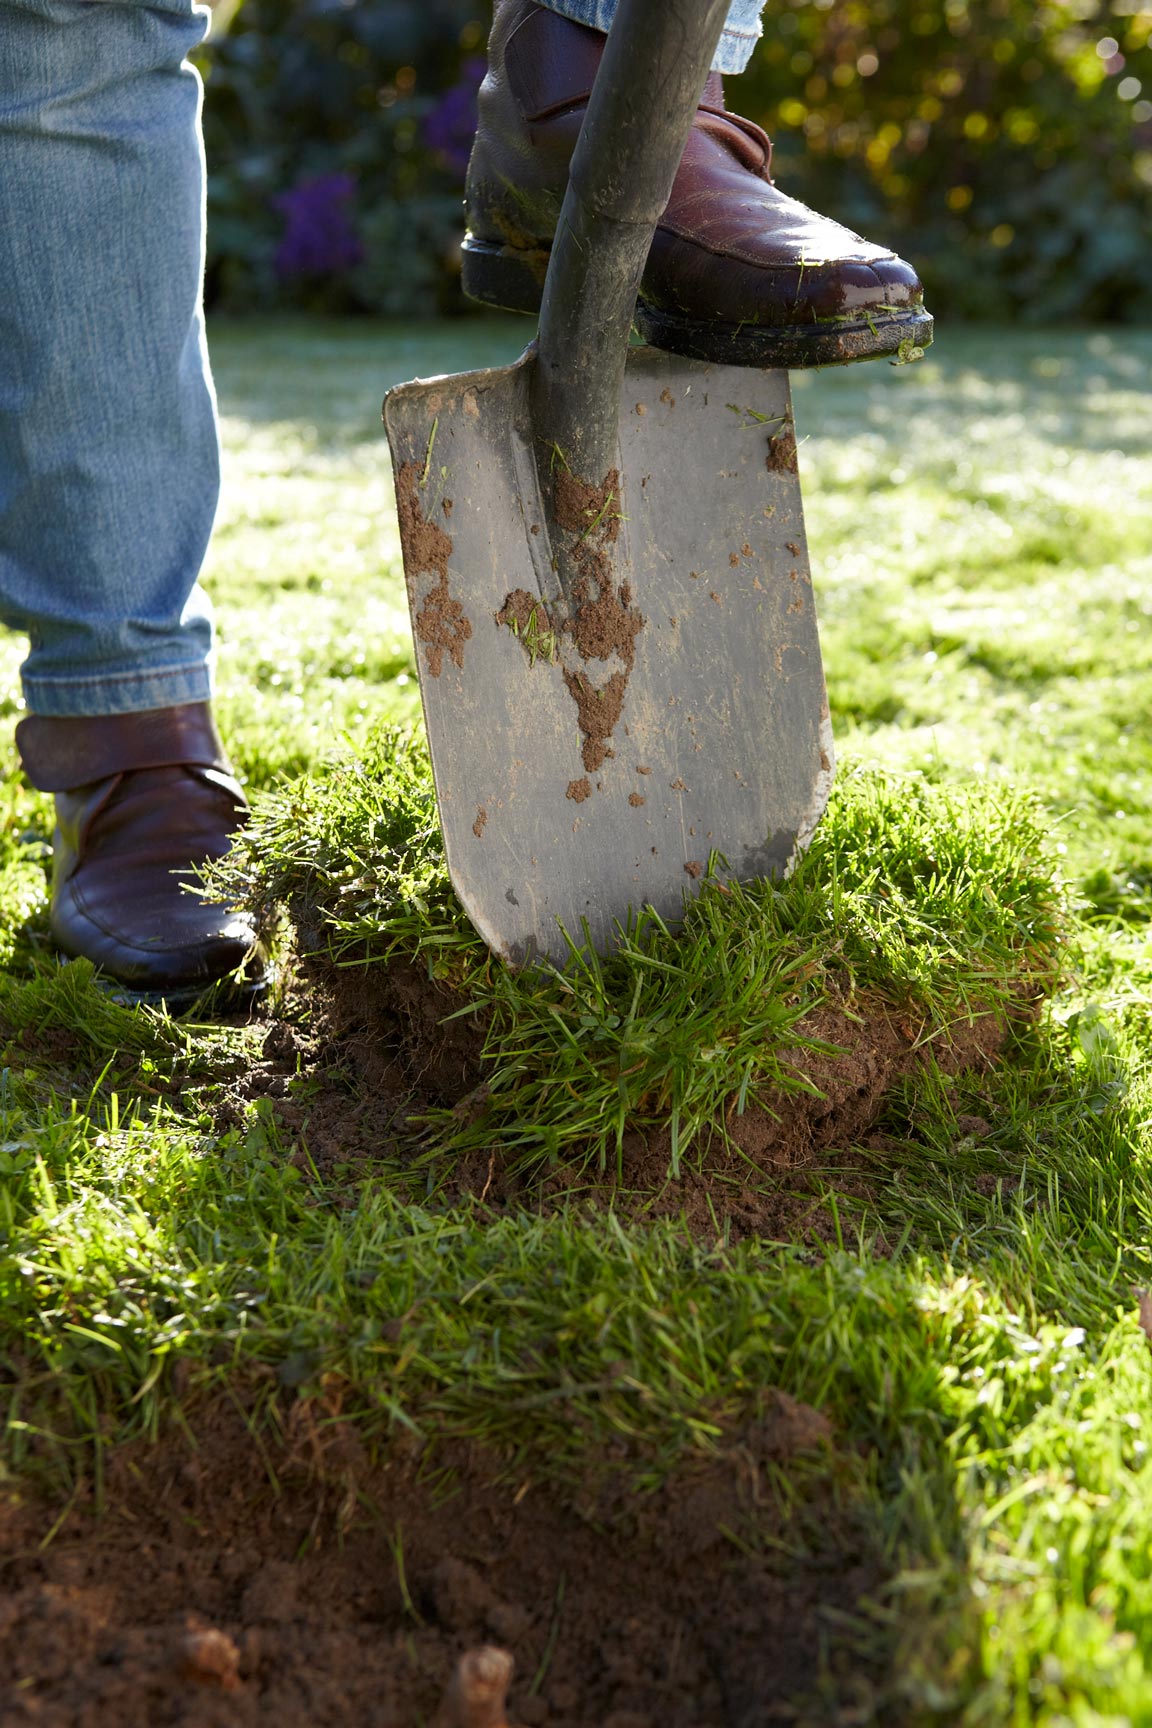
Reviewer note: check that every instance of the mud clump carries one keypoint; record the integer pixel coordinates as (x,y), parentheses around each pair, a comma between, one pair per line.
(598,712)
(441,624)
(782,457)
(384,1044)
(519,609)
(602,623)
(583,509)
(605,621)
(481,822)
(578,790)
(210,1658)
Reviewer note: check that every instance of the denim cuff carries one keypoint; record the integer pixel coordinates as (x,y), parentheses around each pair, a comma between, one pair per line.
(742,30)
(118,693)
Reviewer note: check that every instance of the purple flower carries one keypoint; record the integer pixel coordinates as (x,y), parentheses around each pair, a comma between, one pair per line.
(319,236)
(450,124)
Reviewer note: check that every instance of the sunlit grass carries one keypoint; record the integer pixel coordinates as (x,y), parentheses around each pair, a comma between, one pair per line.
(980,528)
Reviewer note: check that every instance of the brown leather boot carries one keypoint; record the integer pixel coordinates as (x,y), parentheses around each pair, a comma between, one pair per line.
(738,271)
(141,799)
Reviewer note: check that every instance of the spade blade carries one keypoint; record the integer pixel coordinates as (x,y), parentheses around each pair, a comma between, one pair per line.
(590,765)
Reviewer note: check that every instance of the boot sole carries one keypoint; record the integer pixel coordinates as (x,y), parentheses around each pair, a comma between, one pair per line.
(512,278)
(212,999)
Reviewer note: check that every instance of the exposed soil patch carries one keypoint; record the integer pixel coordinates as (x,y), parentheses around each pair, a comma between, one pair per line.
(441,624)
(203,1598)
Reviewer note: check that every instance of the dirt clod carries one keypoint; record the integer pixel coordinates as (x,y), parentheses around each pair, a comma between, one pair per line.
(578,790)
(209,1657)
(479,1689)
(518,609)
(636,800)
(599,710)
(605,621)
(481,822)
(781,457)
(441,623)
(694,868)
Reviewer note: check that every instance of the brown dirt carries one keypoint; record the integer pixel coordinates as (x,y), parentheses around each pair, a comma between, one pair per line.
(580,507)
(578,790)
(605,622)
(598,712)
(518,609)
(782,457)
(204,1598)
(441,624)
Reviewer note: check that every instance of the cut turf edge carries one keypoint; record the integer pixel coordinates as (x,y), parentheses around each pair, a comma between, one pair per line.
(920,928)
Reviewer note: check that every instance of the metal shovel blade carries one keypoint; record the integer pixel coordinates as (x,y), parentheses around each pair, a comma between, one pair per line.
(586,770)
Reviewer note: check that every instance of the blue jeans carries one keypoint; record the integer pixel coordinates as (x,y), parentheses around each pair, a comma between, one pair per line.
(109,452)
(741,31)
(109,457)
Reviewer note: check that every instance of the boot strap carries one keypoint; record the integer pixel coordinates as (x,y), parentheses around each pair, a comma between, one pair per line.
(60,754)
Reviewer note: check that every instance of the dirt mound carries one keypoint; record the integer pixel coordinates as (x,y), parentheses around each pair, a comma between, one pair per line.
(203,1597)
(382,1051)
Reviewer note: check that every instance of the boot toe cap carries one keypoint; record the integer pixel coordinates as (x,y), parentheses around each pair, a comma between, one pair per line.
(172,942)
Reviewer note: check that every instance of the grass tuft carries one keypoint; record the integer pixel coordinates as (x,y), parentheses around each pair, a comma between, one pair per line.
(916,899)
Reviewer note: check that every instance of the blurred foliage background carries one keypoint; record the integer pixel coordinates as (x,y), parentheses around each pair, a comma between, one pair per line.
(1003,145)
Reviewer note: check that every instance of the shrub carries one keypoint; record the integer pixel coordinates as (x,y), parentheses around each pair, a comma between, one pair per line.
(1004,145)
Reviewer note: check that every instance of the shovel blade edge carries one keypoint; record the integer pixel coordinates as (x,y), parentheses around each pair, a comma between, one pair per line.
(722,744)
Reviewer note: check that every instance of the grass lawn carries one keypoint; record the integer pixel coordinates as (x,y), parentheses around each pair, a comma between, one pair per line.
(613,1258)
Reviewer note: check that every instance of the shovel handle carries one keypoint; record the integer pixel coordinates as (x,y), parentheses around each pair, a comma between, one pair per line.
(647,89)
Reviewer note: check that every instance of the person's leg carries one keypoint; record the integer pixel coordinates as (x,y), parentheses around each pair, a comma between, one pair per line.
(109,463)
(109,476)
(738,272)
(742,28)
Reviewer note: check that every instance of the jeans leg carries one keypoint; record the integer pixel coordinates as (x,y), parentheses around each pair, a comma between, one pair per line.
(742,29)
(109,456)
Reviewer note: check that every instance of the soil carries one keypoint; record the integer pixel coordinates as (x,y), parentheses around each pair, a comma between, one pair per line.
(782,457)
(604,621)
(204,1597)
(598,712)
(518,609)
(441,624)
